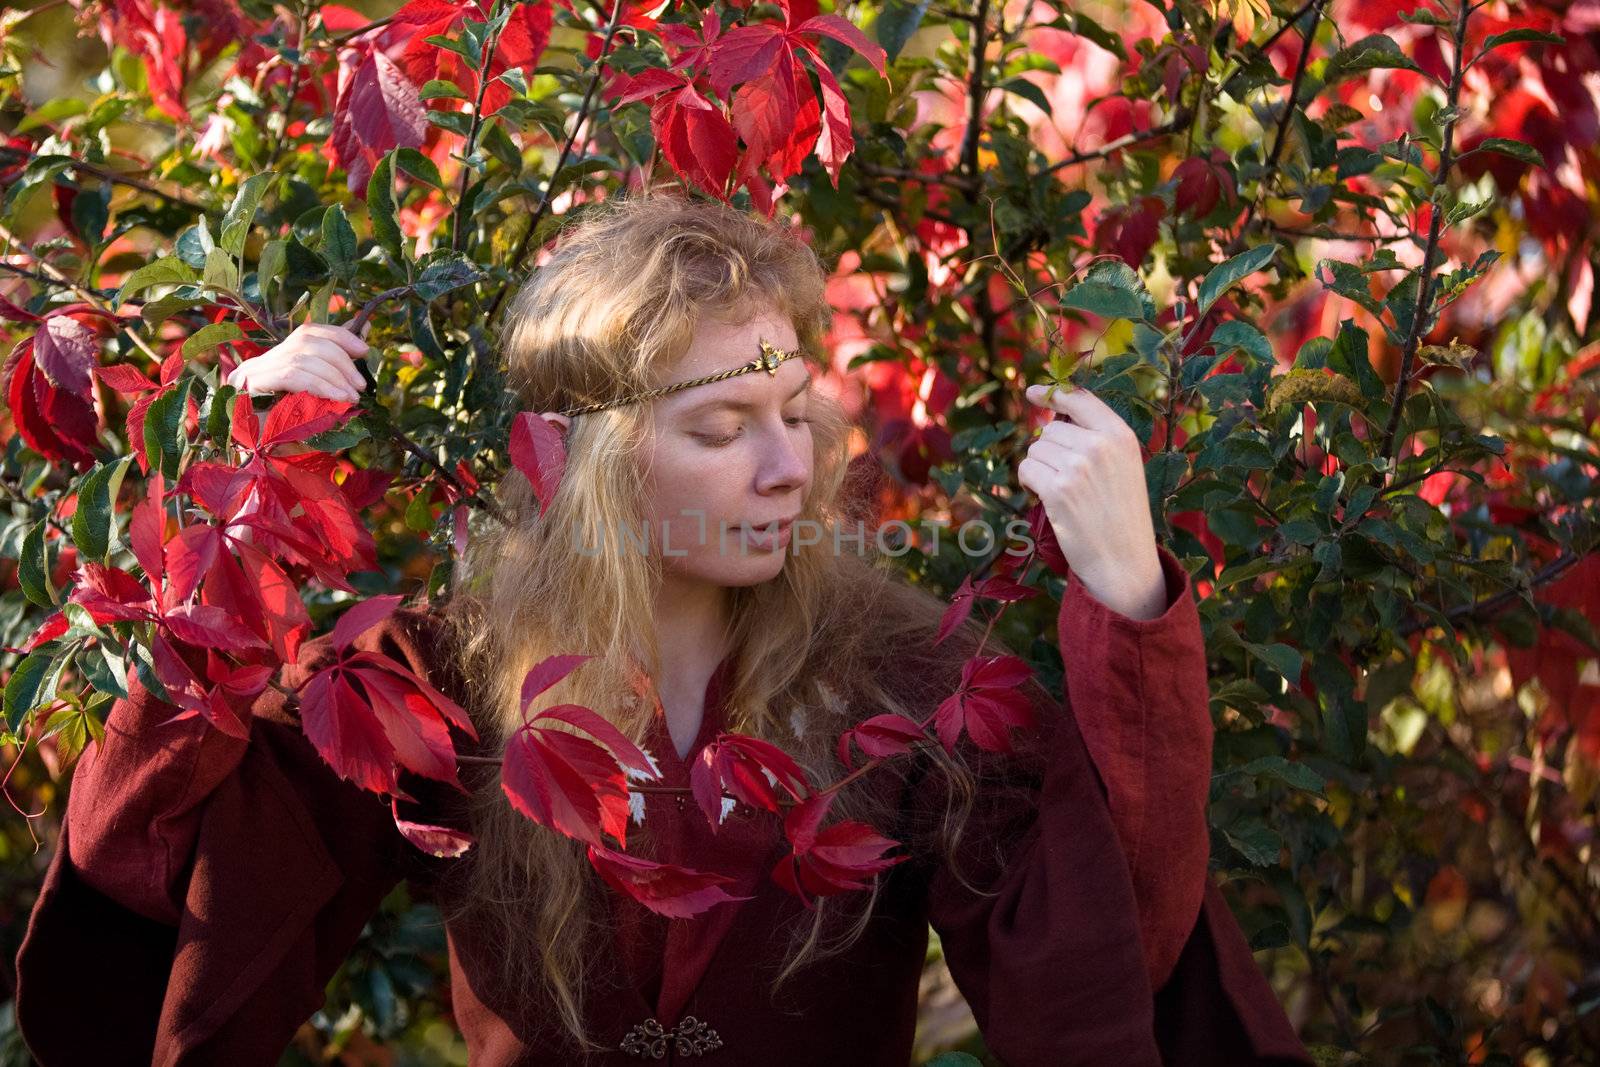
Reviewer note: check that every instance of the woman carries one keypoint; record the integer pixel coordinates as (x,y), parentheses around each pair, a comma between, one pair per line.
(226,881)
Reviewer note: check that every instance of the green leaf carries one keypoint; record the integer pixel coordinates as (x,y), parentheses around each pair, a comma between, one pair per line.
(221,271)
(381,208)
(444,273)
(242,213)
(93,520)
(1285,659)
(1505,146)
(1287,771)
(1255,840)
(435,88)
(219,415)
(1236,335)
(1521,35)
(1029,91)
(1226,275)
(338,241)
(33,567)
(31,684)
(169,270)
(897,23)
(274,257)
(412,162)
(1376,52)
(210,336)
(163,429)
(1106,301)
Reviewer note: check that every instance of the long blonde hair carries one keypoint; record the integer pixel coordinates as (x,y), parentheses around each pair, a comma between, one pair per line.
(610,313)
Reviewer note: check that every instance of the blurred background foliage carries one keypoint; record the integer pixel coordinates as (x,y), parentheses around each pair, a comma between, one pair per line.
(1334,261)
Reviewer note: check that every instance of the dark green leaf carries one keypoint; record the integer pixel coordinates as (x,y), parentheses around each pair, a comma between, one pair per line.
(1231,272)
(33,567)
(93,519)
(381,208)
(242,213)
(1098,298)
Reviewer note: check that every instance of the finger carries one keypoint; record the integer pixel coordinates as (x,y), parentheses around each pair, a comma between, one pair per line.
(343,365)
(1056,456)
(1070,434)
(1078,404)
(320,381)
(339,336)
(1038,477)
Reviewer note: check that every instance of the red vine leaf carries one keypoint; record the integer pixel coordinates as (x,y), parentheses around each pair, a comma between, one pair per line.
(988,702)
(666,889)
(833,859)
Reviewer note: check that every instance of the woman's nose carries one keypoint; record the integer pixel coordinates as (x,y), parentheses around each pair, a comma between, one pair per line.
(785,465)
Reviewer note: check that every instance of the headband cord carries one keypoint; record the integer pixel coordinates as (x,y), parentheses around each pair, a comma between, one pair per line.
(769,360)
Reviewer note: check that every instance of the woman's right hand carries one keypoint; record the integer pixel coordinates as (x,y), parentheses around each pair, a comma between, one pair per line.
(316,358)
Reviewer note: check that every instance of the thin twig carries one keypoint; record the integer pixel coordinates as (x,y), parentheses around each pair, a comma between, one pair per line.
(1425,294)
(515,261)
(116,178)
(1177,124)
(82,293)
(1271,169)
(458,230)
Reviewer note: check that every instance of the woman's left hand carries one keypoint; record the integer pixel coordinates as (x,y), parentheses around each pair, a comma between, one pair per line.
(1089,475)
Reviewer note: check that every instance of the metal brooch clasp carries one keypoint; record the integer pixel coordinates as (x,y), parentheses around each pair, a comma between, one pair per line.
(691,1037)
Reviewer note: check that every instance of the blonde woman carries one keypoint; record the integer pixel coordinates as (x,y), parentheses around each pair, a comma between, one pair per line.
(671,344)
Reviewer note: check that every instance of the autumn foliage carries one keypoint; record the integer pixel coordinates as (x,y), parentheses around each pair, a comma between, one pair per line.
(1333,261)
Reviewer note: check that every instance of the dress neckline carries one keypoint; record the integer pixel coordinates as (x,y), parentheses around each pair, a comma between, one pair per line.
(711,719)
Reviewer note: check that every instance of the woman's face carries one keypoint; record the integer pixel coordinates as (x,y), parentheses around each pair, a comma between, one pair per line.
(727,459)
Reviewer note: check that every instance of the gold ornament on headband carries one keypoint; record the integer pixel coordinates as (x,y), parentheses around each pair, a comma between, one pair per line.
(769,360)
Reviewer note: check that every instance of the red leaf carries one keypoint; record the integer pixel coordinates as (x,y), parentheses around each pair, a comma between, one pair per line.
(64,349)
(110,593)
(988,701)
(601,729)
(301,415)
(441,703)
(377,110)
(210,627)
(361,617)
(124,379)
(836,143)
(147,528)
(696,139)
(442,841)
(420,738)
(546,673)
(542,783)
(49,630)
(846,32)
(740,764)
(650,82)
(675,892)
(746,53)
(881,736)
(537,451)
(835,859)
(347,733)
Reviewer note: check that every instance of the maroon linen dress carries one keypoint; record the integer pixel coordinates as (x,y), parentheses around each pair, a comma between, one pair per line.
(214,886)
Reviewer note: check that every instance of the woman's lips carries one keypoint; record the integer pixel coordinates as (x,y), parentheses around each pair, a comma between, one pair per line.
(772,535)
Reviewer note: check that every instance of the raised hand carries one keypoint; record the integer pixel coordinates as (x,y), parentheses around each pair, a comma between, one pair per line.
(1087,469)
(316,358)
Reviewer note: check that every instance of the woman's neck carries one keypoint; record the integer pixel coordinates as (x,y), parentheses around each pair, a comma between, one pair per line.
(692,633)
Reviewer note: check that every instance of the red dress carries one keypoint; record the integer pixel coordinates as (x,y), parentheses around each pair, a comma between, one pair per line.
(215,886)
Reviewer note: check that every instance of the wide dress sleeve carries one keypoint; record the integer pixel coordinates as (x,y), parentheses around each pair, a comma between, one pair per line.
(1078,918)
(204,889)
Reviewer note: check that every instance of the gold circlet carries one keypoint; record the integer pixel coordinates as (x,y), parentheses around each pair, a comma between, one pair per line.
(770,359)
